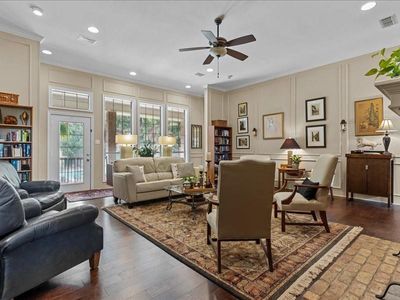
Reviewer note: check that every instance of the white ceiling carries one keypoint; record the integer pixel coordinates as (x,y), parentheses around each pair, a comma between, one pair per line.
(144,36)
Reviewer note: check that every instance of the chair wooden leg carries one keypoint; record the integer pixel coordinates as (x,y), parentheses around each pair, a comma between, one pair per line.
(314,215)
(283,221)
(324,220)
(331,192)
(219,255)
(94,260)
(268,253)
(208,234)
(275,210)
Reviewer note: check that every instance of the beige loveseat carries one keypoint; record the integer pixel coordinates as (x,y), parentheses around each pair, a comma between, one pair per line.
(158,174)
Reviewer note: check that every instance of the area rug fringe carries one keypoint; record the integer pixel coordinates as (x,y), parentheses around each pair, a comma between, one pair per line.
(305,280)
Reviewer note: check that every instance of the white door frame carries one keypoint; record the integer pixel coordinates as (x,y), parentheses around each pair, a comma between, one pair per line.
(63,113)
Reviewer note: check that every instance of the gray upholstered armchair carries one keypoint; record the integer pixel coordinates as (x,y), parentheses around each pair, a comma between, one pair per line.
(47,192)
(295,202)
(34,247)
(243,204)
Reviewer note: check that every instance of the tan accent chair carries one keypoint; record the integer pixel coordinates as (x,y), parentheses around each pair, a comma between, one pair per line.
(293,202)
(244,204)
(256,157)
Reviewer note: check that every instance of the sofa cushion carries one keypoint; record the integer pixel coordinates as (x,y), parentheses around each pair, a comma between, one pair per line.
(185,170)
(12,214)
(151,177)
(138,173)
(158,185)
(165,175)
(163,164)
(120,165)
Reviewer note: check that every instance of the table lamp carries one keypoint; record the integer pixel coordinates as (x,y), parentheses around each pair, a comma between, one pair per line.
(166,143)
(386,127)
(126,140)
(290,143)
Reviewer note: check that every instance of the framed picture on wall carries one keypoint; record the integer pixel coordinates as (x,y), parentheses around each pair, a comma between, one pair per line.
(368,115)
(243,142)
(243,125)
(273,126)
(316,136)
(315,109)
(196,136)
(242,109)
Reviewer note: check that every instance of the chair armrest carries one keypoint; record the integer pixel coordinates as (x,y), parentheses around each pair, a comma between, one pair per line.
(312,186)
(285,183)
(52,224)
(31,207)
(40,186)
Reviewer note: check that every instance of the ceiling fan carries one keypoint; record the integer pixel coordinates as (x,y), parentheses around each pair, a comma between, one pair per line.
(219,45)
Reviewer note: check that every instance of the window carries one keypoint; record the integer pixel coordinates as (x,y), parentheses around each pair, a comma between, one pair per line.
(176,126)
(67,99)
(150,125)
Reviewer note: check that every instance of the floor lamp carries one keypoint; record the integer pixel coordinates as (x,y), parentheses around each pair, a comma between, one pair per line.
(167,142)
(126,140)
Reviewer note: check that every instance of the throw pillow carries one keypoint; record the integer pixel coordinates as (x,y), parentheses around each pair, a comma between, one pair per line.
(174,169)
(185,170)
(138,172)
(307,192)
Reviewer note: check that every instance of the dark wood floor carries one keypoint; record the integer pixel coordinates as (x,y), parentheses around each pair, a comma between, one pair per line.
(131,267)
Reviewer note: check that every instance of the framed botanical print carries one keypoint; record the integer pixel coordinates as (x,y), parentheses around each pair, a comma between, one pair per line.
(242,109)
(196,136)
(315,109)
(243,142)
(243,125)
(316,136)
(368,115)
(273,126)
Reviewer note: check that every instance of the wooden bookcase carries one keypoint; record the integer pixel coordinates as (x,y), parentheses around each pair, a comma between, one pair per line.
(16,139)
(220,147)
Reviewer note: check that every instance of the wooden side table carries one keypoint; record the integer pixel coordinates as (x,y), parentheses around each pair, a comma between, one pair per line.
(289,171)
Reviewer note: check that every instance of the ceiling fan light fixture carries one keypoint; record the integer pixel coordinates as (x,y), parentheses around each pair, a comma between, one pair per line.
(188,86)
(209,70)
(368,5)
(218,51)
(37,11)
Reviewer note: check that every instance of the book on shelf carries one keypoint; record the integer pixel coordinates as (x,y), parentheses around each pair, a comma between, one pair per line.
(221,132)
(19,150)
(18,136)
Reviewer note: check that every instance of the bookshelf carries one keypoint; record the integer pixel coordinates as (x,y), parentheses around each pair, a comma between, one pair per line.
(16,138)
(220,147)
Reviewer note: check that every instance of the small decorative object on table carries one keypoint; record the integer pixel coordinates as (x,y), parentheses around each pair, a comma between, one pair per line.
(208,160)
(296,159)
(386,127)
(189,182)
(24,118)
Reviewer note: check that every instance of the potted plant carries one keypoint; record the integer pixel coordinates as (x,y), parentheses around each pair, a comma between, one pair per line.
(296,159)
(147,150)
(189,181)
(388,66)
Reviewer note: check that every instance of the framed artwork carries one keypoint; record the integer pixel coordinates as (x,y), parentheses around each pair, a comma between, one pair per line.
(196,136)
(315,109)
(273,126)
(368,115)
(316,136)
(243,142)
(243,125)
(242,109)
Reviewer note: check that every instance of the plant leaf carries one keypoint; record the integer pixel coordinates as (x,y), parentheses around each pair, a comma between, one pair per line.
(383,51)
(371,72)
(375,54)
(383,63)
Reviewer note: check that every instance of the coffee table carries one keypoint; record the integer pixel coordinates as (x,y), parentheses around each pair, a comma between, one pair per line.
(193,197)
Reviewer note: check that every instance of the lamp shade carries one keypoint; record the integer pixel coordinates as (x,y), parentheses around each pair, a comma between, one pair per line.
(290,143)
(167,140)
(386,126)
(126,139)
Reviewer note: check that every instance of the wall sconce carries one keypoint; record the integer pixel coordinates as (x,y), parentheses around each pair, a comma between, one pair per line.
(254,132)
(343,125)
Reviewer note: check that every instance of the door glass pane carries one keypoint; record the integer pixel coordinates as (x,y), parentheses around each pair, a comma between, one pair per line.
(71,143)
(176,119)
(149,124)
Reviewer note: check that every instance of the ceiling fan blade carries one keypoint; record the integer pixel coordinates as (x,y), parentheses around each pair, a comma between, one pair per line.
(192,49)
(236,54)
(241,40)
(210,36)
(208,60)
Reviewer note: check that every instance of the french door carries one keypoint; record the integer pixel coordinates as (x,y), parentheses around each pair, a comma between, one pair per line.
(70,152)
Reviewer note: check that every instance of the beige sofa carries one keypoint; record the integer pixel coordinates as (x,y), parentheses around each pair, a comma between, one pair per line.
(158,174)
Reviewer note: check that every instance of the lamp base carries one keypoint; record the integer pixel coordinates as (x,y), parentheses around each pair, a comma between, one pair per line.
(386,143)
(289,158)
(167,151)
(126,152)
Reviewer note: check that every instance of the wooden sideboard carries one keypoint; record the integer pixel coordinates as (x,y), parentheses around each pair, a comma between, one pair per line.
(370,174)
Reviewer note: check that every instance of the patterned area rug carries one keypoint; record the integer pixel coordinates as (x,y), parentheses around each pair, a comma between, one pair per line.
(299,255)
(88,195)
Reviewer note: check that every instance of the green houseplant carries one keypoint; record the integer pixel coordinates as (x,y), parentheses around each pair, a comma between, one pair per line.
(388,65)
(147,150)
(296,159)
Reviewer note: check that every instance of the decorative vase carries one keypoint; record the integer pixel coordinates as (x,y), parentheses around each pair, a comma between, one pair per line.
(186,184)
(295,165)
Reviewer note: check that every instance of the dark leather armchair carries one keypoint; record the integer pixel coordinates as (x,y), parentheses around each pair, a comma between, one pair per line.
(35,247)
(47,192)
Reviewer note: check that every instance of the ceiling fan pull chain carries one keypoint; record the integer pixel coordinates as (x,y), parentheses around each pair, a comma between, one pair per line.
(217,67)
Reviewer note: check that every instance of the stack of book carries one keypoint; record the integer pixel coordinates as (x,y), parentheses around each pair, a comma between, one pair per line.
(19,150)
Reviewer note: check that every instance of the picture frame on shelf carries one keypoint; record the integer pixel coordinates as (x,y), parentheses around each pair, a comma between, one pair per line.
(316,109)
(316,136)
(243,125)
(242,109)
(196,136)
(243,142)
(273,126)
(368,115)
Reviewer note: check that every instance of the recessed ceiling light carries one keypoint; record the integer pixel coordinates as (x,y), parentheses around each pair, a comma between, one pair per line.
(37,11)
(210,70)
(369,5)
(188,86)
(47,52)
(93,29)
(132,73)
